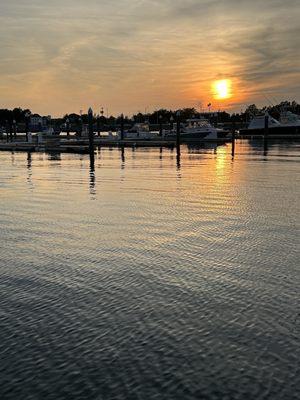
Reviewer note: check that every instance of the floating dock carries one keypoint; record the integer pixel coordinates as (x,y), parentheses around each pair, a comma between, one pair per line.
(65,144)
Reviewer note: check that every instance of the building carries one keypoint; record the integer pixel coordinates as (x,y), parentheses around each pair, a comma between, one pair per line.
(38,122)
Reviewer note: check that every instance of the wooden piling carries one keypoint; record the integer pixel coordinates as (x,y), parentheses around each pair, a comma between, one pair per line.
(122,127)
(91,132)
(178,127)
(266,134)
(27,126)
(233,145)
(233,137)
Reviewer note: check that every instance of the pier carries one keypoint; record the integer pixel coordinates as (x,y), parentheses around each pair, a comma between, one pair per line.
(72,144)
(80,145)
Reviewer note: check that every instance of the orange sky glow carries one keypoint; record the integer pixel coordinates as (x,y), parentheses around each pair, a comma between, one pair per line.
(126,56)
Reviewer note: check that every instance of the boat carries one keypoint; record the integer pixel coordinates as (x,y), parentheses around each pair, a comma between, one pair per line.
(198,130)
(140,131)
(288,118)
(275,127)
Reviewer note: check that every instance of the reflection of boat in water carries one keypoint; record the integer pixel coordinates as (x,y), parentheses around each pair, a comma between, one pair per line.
(258,123)
(198,130)
(140,131)
(202,146)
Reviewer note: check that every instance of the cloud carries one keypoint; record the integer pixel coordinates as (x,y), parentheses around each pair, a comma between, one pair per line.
(131,53)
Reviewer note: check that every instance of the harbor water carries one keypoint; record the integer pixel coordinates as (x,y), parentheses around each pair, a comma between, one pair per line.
(151,276)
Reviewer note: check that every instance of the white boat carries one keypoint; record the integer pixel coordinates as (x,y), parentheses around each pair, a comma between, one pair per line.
(198,129)
(257,126)
(258,122)
(140,131)
(288,118)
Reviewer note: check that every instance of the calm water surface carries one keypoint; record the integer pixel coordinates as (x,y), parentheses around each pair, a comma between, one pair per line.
(150,277)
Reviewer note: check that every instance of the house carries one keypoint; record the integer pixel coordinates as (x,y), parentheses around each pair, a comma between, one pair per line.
(36,121)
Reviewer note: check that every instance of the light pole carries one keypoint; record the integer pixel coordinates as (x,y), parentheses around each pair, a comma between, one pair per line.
(102,114)
(27,119)
(15,128)
(98,124)
(160,125)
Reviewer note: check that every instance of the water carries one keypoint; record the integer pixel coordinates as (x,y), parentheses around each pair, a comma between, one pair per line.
(150,277)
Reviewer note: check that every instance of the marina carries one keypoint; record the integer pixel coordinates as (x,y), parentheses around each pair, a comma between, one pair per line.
(150,213)
(192,131)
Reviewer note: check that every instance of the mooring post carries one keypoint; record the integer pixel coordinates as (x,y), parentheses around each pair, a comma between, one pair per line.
(266,133)
(233,144)
(178,129)
(91,132)
(92,176)
(122,127)
(233,137)
(178,157)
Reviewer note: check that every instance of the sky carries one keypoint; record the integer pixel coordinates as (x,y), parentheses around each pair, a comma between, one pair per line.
(62,56)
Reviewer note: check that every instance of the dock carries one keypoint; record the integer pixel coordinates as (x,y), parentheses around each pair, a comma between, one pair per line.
(80,145)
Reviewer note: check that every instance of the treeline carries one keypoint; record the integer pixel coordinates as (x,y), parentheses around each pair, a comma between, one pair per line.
(156,117)
(17,114)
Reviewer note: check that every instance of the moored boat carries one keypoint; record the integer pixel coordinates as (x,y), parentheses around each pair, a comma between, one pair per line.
(198,130)
(140,131)
(257,126)
(288,118)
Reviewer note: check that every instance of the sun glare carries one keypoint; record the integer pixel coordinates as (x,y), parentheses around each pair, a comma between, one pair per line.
(222,89)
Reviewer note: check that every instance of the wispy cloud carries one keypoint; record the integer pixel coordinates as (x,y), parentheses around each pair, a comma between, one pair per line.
(63,55)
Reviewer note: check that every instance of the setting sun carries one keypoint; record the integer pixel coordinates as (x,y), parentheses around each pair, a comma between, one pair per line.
(222,89)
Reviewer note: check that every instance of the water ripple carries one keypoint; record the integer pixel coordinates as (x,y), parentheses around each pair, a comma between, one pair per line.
(141,280)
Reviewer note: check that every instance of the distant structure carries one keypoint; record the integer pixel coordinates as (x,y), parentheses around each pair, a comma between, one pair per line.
(38,122)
